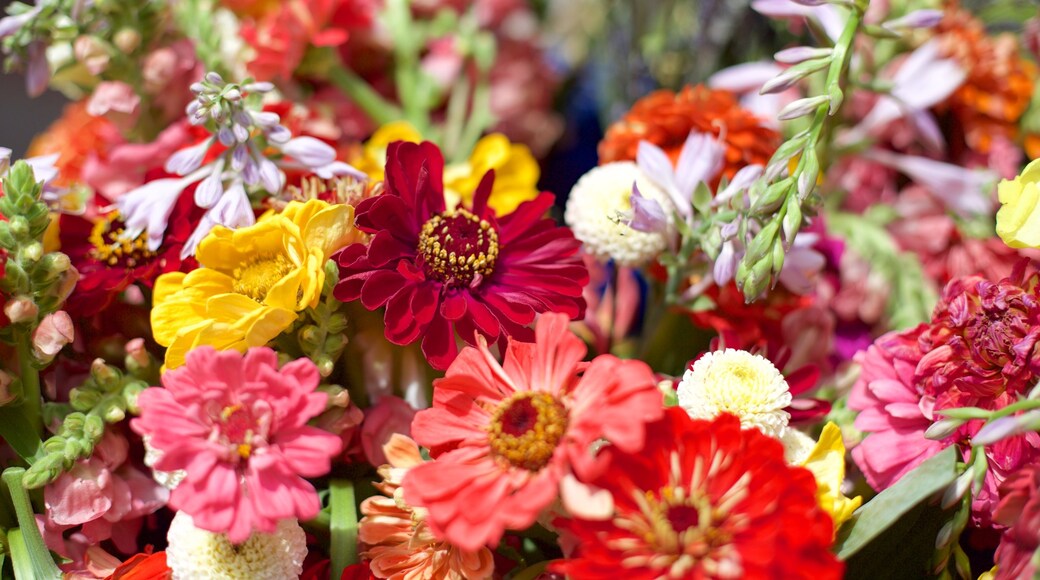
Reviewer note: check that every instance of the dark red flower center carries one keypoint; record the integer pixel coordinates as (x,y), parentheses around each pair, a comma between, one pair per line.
(458,248)
(683,517)
(526,428)
(112,245)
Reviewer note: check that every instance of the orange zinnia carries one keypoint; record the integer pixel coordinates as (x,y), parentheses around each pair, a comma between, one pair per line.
(999,85)
(76,135)
(665,118)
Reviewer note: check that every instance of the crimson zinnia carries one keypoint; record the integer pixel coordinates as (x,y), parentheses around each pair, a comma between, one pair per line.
(439,270)
(703,499)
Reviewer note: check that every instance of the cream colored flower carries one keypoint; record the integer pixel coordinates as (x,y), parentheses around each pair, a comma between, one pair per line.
(195,554)
(595,210)
(737,382)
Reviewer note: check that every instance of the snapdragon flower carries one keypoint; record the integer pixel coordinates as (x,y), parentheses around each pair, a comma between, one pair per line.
(246,134)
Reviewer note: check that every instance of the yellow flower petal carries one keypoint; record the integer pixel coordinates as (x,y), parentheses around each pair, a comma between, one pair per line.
(827,463)
(327,227)
(1018,221)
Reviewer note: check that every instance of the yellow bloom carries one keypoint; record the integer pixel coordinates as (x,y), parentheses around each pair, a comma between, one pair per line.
(1018,221)
(252,281)
(827,463)
(516,170)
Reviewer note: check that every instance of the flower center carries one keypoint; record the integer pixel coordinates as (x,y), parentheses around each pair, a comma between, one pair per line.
(458,248)
(526,428)
(237,429)
(256,278)
(113,247)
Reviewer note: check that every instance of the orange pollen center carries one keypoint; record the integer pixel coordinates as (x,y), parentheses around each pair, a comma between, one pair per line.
(526,428)
(458,248)
(112,246)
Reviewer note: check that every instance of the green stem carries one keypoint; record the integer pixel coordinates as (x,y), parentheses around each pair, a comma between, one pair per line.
(343,526)
(359,91)
(29,554)
(480,117)
(456,120)
(31,401)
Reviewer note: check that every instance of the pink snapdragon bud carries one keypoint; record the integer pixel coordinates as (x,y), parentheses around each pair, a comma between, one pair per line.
(91,52)
(21,309)
(53,333)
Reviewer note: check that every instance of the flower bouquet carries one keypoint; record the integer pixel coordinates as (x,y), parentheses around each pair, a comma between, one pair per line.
(283,296)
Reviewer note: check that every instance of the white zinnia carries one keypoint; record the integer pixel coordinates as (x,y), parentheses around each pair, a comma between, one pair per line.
(195,554)
(596,208)
(737,382)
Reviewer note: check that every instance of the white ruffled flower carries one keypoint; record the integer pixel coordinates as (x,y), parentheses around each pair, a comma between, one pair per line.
(737,382)
(797,446)
(596,210)
(195,554)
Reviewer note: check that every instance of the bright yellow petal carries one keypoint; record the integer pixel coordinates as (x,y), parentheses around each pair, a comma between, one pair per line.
(827,463)
(183,342)
(227,250)
(322,225)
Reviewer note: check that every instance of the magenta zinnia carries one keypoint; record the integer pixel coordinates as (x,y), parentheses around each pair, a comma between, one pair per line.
(237,425)
(440,271)
(979,350)
(504,436)
(702,499)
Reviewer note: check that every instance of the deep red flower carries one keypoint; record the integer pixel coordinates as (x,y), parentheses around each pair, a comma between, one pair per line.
(703,499)
(440,271)
(108,264)
(1019,509)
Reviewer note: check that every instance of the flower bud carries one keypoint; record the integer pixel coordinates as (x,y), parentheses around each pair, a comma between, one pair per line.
(53,333)
(21,309)
(92,53)
(105,375)
(127,40)
(84,399)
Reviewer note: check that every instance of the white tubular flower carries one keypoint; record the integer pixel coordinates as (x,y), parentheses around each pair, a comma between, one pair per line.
(740,383)
(596,211)
(195,554)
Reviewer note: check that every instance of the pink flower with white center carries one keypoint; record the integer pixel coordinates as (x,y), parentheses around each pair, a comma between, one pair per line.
(237,425)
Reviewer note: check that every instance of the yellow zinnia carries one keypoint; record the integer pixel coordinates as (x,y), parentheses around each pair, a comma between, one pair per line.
(252,281)
(1018,221)
(516,170)
(826,461)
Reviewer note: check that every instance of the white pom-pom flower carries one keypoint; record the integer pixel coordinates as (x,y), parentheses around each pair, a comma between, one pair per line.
(596,210)
(195,554)
(740,383)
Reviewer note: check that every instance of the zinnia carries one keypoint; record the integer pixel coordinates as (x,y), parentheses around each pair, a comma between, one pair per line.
(238,427)
(438,271)
(702,499)
(979,350)
(503,436)
(399,543)
(252,282)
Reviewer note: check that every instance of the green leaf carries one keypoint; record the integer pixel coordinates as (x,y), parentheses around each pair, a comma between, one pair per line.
(702,199)
(888,513)
(343,525)
(16,429)
(29,555)
(531,572)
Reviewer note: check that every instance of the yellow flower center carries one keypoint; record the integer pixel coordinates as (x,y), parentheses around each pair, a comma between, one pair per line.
(526,428)
(112,246)
(257,277)
(458,248)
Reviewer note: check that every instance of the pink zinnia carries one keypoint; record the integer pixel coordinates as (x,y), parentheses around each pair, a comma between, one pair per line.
(503,436)
(237,424)
(440,271)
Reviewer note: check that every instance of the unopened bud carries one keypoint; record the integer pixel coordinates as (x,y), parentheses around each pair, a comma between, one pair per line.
(127,40)
(33,251)
(130,393)
(942,429)
(137,356)
(84,399)
(114,413)
(53,333)
(21,309)
(92,53)
(104,375)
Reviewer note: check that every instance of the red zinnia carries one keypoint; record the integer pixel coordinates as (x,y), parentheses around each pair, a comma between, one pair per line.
(440,270)
(703,499)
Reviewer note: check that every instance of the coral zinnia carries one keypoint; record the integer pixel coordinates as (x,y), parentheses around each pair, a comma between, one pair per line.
(253,281)
(399,543)
(238,427)
(703,499)
(440,270)
(666,119)
(503,436)
(980,350)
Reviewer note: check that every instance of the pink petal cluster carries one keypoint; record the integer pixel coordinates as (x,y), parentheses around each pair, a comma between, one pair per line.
(1019,509)
(503,436)
(105,496)
(237,425)
(979,350)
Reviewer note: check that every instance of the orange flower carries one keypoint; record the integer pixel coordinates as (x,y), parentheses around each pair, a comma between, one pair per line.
(398,541)
(999,85)
(665,119)
(76,135)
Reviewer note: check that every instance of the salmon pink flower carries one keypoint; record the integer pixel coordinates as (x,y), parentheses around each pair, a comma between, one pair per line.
(504,436)
(702,499)
(237,425)
(439,270)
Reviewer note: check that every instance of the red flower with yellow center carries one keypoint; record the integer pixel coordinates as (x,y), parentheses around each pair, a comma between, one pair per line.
(439,271)
(702,499)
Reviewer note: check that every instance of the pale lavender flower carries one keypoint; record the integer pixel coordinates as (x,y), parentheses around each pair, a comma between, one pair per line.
(797,54)
(148,208)
(966,192)
(802,265)
(743,179)
(11,24)
(829,18)
(699,161)
(309,151)
(647,215)
(916,19)
(37,69)
(188,159)
(211,188)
